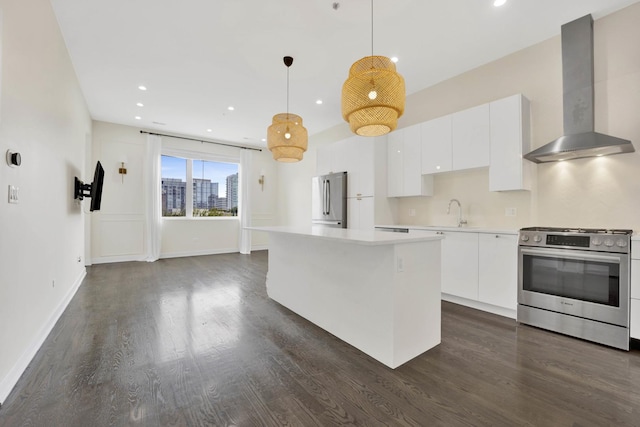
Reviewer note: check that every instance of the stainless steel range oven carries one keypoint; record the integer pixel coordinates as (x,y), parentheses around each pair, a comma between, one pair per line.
(576,282)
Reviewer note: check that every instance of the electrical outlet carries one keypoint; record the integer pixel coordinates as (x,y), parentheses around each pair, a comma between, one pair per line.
(412,212)
(79,259)
(510,212)
(13,194)
(53,283)
(400,266)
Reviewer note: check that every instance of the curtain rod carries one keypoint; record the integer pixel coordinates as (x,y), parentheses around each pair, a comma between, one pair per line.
(202,140)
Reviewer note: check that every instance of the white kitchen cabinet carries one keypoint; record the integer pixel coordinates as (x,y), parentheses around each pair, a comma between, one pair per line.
(323,160)
(471,138)
(635,290)
(635,277)
(395,177)
(460,264)
(404,170)
(498,269)
(412,183)
(634,330)
(510,140)
(436,143)
(359,153)
(354,155)
(361,212)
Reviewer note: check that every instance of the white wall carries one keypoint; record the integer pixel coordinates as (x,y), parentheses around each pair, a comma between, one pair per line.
(118,230)
(43,116)
(597,192)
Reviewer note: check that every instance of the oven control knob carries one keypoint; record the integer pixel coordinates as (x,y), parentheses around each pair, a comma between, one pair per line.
(608,242)
(524,238)
(596,241)
(537,238)
(621,243)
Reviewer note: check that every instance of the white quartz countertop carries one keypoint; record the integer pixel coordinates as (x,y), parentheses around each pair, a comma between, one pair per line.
(361,237)
(449,228)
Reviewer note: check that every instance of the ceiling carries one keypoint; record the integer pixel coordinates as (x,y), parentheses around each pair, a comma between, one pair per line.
(198,57)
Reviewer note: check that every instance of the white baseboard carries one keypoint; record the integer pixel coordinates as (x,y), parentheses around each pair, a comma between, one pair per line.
(128,258)
(500,311)
(11,379)
(199,253)
(119,258)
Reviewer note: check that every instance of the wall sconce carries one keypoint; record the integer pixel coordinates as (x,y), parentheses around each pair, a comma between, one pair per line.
(122,170)
(261,180)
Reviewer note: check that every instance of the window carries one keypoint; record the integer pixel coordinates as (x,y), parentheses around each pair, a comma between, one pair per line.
(199,188)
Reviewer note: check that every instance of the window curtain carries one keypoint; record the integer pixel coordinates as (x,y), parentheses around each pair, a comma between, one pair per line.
(153,191)
(245,201)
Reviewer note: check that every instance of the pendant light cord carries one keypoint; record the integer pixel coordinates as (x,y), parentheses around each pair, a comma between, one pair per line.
(287,93)
(372,31)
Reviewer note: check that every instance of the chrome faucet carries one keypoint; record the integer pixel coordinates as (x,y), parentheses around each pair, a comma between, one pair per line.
(461,221)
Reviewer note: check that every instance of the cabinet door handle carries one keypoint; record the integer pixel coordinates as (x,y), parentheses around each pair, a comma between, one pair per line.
(497,237)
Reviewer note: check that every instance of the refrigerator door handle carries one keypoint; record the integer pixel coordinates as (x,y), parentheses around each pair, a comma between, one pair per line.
(328,197)
(324,197)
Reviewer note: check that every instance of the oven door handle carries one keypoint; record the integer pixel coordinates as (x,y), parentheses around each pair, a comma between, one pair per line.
(550,253)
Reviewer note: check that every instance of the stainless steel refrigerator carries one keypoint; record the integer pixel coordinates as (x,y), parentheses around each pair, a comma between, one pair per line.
(329,200)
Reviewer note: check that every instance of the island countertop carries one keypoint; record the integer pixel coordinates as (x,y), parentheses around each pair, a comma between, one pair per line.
(361,237)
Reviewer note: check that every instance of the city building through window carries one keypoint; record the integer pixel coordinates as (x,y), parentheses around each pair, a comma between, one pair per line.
(198,188)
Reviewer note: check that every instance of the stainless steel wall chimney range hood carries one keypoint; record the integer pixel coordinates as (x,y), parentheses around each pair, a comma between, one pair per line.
(579,138)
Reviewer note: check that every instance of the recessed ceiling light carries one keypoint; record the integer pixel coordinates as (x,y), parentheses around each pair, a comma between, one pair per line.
(264,139)
(319,102)
(142,87)
(138,118)
(394,59)
(209,130)
(230,108)
(140,104)
(498,3)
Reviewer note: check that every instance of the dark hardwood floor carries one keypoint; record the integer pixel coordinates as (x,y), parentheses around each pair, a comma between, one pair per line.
(197,342)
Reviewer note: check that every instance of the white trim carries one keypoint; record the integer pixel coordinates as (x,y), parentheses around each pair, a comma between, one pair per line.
(260,248)
(118,258)
(500,311)
(11,379)
(199,155)
(199,253)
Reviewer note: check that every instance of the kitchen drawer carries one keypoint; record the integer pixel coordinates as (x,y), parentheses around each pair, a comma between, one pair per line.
(635,278)
(635,319)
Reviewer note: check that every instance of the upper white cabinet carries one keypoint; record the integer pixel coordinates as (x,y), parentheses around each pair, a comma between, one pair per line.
(460,264)
(436,145)
(510,139)
(497,270)
(365,161)
(404,170)
(354,155)
(395,163)
(323,160)
(471,138)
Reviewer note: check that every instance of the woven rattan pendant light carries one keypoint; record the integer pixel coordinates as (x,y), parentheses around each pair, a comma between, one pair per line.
(286,137)
(373,95)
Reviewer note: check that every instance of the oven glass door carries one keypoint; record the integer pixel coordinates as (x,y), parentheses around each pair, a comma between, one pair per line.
(582,276)
(588,284)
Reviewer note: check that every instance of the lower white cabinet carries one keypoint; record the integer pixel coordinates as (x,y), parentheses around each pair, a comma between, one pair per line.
(498,270)
(635,290)
(480,269)
(460,264)
(635,319)
(360,211)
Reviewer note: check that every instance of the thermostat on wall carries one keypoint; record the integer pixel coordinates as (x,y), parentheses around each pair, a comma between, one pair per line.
(13,159)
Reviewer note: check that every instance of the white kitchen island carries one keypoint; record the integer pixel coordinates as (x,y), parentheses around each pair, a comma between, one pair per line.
(378,291)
